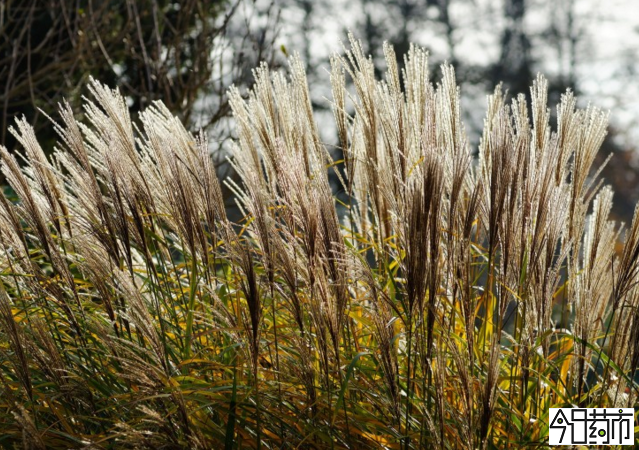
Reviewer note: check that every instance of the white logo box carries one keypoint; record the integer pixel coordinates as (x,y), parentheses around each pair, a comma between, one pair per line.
(591,426)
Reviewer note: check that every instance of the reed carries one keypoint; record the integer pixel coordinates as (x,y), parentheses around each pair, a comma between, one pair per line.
(456,300)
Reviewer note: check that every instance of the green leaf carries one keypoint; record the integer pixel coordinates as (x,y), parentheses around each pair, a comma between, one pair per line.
(349,372)
(229,439)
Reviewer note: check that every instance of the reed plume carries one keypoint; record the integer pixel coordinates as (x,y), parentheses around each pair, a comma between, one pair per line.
(443,300)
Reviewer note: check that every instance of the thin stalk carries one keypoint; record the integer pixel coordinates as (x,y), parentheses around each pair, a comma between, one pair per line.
(408,382)
(189,317)
(277,356)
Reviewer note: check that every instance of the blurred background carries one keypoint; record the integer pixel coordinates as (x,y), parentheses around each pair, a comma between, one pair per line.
(187,53)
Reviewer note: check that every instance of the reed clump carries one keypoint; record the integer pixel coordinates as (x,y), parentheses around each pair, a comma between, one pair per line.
(453,303)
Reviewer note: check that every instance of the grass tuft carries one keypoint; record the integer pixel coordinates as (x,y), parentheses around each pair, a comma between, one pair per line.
(452,304)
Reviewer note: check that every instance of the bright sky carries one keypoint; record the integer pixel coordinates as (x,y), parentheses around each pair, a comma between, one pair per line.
(609,78)
(607,70)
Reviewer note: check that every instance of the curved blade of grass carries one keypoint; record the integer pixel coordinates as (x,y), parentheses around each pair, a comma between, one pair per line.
(349,373)
(229,439)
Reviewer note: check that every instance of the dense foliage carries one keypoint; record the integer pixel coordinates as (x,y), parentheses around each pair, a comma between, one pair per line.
(153,49)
